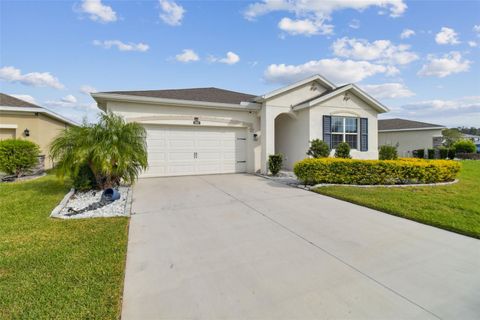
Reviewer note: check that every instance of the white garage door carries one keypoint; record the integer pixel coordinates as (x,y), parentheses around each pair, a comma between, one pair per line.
(182,150)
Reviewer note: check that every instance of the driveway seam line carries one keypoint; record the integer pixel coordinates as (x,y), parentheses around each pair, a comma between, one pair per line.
(324,250)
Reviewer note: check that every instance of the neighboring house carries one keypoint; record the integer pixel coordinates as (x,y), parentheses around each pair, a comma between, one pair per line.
(474,138)
(210,130)
(22,119)
(409,135)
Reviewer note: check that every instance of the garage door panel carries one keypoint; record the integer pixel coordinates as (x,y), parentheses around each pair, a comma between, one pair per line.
(171,150)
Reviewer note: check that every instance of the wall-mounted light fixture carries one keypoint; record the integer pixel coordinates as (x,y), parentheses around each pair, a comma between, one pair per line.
(26,132)
(255,137)
(196,120)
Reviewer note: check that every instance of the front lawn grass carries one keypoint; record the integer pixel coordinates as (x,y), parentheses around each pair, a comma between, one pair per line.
(453,207)
(57,269)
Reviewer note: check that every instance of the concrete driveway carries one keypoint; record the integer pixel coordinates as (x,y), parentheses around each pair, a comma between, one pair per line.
(243,247)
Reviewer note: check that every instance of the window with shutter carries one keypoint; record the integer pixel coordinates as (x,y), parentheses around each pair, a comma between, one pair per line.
(363,134)
(327,130)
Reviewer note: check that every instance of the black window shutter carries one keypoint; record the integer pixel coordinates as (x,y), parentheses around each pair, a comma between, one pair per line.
(327,130)
(363,134)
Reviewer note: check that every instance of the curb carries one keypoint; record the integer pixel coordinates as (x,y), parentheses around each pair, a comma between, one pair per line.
(55,212)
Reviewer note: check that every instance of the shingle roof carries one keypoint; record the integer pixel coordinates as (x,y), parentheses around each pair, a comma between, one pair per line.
(193,94)
(9,101)
(401,124)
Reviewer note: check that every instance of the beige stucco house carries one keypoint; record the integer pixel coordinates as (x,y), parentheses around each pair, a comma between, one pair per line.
(210,130)
(24,120)
(408,135)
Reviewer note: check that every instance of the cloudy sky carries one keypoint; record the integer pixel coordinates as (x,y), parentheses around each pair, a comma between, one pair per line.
(420,58)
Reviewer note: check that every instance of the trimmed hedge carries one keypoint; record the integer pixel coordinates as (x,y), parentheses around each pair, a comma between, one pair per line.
(18,156)
(373,172)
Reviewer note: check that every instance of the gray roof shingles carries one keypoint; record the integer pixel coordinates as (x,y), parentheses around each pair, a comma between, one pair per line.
(193,94)
(399,124)
(9,101)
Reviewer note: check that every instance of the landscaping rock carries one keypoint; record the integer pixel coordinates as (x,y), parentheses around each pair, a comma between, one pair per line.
(76,201)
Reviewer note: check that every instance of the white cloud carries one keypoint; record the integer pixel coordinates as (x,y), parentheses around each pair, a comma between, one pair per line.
(472,44)
(339,71)
(407,33)
(380,50)
(172,13)
(121,46)
(388,90)
(463,111)
(447,36)
(87,89)
(476,28)
(321,8)
(24,97)
(305,27)
(444,66)
(98,11)
(67,101)
(36,79)
(230,58)
(187,55)
(354,24)
(312,14)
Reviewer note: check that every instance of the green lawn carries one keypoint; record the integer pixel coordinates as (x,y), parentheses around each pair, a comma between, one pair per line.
(54,269)
(454,207)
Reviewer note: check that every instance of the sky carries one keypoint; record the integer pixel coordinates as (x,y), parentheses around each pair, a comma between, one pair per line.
(419,58)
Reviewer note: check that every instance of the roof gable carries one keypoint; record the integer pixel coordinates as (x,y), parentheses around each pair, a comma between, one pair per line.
(316,78)
(372,102)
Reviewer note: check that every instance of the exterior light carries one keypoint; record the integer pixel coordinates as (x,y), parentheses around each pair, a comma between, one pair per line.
(196,120)
(26,132)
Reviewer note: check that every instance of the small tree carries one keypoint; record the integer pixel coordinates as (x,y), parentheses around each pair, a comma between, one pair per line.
(343,150)
(275,163)
(450,136)
(464,146)
(318,149)
(18,157)
(113,150)
(388,153)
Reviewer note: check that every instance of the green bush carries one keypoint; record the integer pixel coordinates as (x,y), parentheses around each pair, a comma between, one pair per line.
(84,179)
(17,156)
(342,150)
(388,153)
(374,172)
(451,153)
(318,149)
(431,153)
(275,163)
(464,146)
(443,152)
(420,153)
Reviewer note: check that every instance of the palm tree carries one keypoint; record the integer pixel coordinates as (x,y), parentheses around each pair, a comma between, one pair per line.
(113,150)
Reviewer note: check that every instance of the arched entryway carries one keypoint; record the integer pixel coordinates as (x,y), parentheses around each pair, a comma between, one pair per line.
(291,137)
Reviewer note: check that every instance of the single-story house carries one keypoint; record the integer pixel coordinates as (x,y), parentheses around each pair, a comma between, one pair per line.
(408,135)
(25,120)
(211,130)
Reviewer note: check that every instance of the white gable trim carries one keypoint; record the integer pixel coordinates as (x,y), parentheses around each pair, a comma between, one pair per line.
(365,96)
(316,77)
(102,97)
(39,110)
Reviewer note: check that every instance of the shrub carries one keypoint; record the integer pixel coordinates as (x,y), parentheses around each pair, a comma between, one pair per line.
(388,153)
(342,150)
(420,153)
(443,152)
(84,179)
(468,156)
(114,150)
(318,149)
(464,146)
(364,172)
(451,153)
(17,156)
(275,163)
(431,153)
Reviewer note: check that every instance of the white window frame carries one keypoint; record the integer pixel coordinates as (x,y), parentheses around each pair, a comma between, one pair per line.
(344,133)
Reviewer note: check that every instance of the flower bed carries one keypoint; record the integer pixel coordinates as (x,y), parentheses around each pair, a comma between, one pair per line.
(375,172)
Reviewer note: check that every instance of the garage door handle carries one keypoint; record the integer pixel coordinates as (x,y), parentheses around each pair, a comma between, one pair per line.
(195,155)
